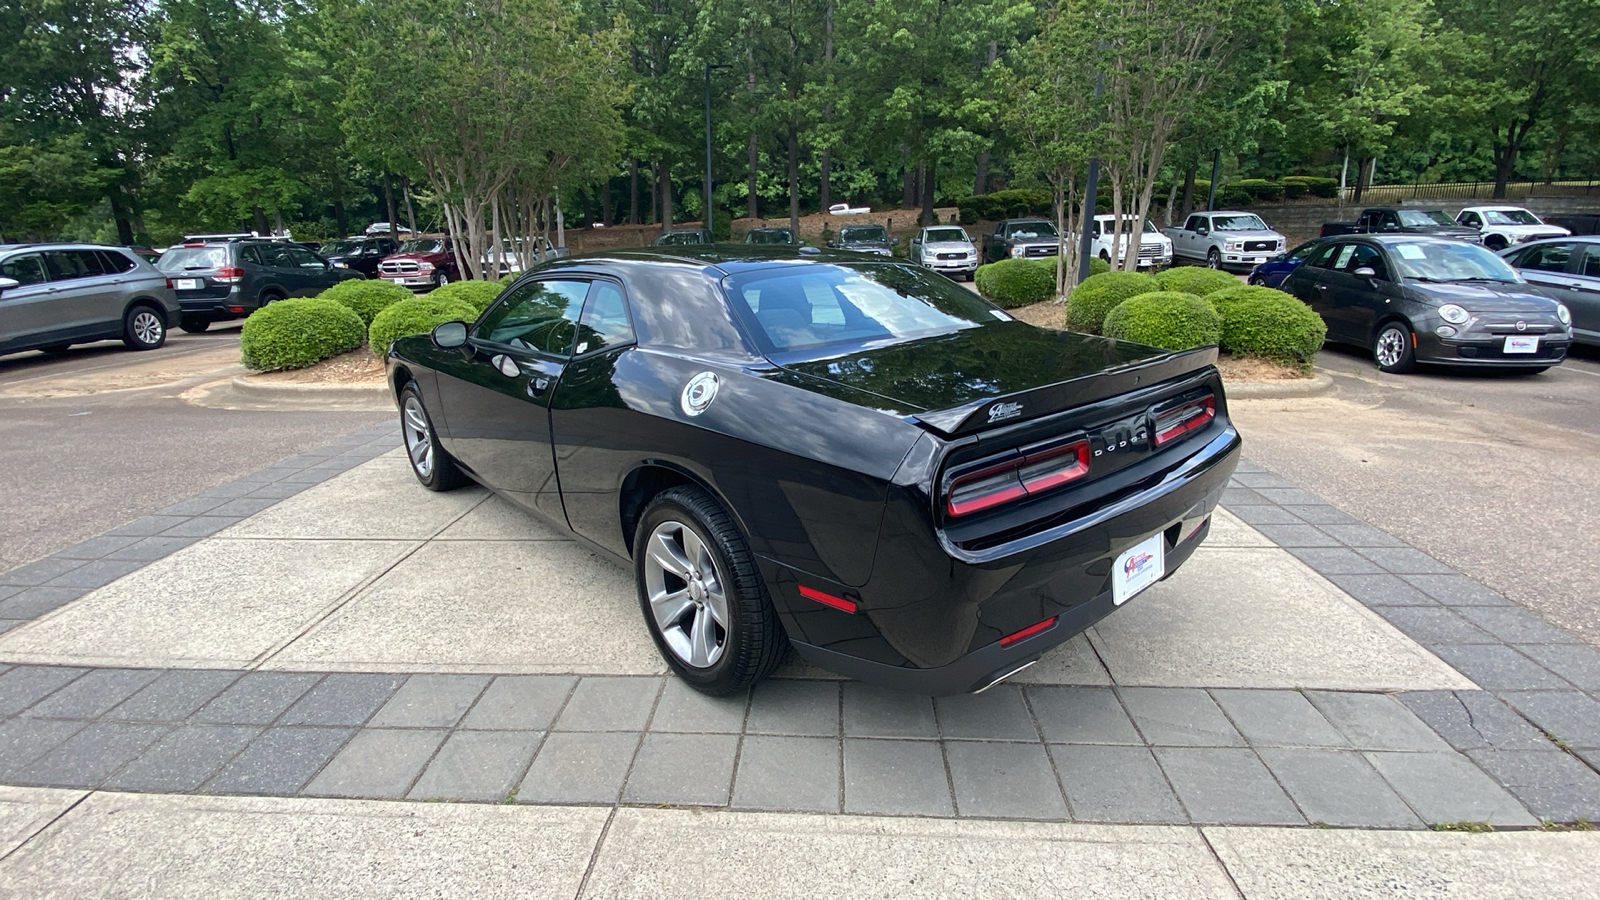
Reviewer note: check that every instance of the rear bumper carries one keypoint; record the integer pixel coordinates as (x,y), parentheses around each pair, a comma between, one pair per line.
(216,309)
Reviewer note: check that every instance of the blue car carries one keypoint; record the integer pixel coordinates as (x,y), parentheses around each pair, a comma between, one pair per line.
(1272,272)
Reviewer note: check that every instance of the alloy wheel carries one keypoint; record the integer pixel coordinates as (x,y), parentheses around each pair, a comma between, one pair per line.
(147,327)
(1391,347)
(419,437)
(687,594)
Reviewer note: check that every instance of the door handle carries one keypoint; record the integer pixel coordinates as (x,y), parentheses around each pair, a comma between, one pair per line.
(538,386)
(507,366)
(1322,287)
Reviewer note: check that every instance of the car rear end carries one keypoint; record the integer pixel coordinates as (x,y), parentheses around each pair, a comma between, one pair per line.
(208,280)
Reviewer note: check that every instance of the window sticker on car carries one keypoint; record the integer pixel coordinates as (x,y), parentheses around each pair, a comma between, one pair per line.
(1000,315)
(1410,251)
(1345,253)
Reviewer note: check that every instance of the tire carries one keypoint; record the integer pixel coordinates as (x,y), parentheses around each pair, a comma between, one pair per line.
(143,328)
(1214,259)
(429,462)
(442,280)
(680,534)
(268,300)
(1257,281)
(1392,348)
(55,348)
(1495,242)
(1105,256)
(194,326)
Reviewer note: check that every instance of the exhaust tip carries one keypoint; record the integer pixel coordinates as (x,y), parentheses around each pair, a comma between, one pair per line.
(1004,675)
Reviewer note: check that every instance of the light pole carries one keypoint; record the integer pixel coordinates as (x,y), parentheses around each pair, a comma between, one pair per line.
(1085,238)
(709,67)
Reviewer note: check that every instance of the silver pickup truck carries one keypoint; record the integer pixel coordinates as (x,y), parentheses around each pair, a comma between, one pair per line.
(1225,240)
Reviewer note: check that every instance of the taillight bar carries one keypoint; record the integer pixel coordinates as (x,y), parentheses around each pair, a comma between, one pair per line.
(228,275)
(1178,421)
(1018,477)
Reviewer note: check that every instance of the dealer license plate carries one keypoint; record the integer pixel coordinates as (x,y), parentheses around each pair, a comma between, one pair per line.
(1522,345)
(1139,568)
(187,284)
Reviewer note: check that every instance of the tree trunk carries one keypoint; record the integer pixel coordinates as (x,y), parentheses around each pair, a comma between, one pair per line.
(753,207)
(794,181)
(340,222)
(908,196)
(823,194)
(411,209)
(1505,163)
(261,220)
(1361,178)
(605,202)
(633,192)
(388,200)
(980,181)
(1187,205)
(666,197)
(119,212)
(925,175)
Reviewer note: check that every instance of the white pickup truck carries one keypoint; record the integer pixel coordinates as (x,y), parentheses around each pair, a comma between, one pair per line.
(1225,240)
(1155,248)
(845,209)
(1502,226)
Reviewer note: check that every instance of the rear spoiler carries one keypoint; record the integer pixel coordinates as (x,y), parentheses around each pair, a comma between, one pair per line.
(1052,398)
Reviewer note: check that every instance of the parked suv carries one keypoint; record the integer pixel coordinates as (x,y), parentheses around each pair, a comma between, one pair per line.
(359,253)
(422,264)
(217,279)
(55,295)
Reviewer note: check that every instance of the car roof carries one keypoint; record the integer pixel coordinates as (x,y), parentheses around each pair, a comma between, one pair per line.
(1227,212)
(728,259)
(60,245)
(1404,238)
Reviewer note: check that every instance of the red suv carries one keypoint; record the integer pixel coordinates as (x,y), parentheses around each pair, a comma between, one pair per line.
(422,264)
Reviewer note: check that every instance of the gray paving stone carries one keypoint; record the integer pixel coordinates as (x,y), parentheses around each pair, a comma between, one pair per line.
(1261,479)
(377,762)
(148,526)
(1237,497)
(683,769)
(1406,561)
(152,548)
(243,506)
(90,756)
(1516,625)
(184,759)
(201,526)
(1456,590)
(1320,514)
(23,740)
(1297,534)
(609,704)
(308,476)
(430,701)
(94,694)
(1336,561)
(1278,719)
(280,761)
(342,699)
(477,765)
(228,491)
(1179,717)
(1290,496)
(277,491)
(1375,722)
(24,686)
(1264,515)
(40,571)
(256,698)
(8,624)
(683,709)
(579,767)
(174,695)
(1116,784)
(1338,787)
(1431,625)
(897,778)
(1474,720)
(34,602)
(1446,787)
(791,706)
(1004,781)
(194,506)
(873,711)
(780,772)
(1499,668)
(1246,465)
(520,702)
(95,547)
(1570,716)
(1577,663)
(1359,534)
(1081,715)
(1226,786)
(998,714)
(8,591)
(1551,784)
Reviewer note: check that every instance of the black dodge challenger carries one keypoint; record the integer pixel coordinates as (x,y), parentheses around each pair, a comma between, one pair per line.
(855,457)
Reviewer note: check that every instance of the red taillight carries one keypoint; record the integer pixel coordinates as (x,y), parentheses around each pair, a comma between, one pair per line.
(828,599)
(1028,632)
(169,284)
(1018,478)
(1180,420)
(228,274)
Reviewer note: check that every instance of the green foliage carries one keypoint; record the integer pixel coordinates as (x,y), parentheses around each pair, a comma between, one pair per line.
(1260,190)
(1167,319)
(476,294)
(367,297)
(1015,282)
(1298,185)
(1097,266)
(722,226)
(506,279)
(293,334)
(1098,294)
(1195,280)
(1260,321)
(418,315)
(1010,204)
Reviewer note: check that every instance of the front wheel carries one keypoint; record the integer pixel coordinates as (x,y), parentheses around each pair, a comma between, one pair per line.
(1495,242)
(442,280)
(702,596)
(1214,258)
(1258,281)
(433,467)
(1393,349)
(142,329)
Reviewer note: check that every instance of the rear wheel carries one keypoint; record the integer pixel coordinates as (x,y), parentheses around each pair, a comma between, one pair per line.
(1495,242)
(432,466)
(1392,349)
(143,328)
(269,298)
(194,326)
(1214,258)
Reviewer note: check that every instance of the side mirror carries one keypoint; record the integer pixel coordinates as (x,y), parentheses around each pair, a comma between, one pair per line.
(1202,231)
(7,284)
(450,335)
(1365,272)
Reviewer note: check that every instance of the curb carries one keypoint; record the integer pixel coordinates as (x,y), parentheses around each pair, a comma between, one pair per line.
(1318,383)
(362,392)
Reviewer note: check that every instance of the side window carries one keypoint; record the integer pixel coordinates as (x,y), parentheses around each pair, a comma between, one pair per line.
(1388,220)
(540,315)
(1591,263)
(1323,259)
(275,255)
(605,321)
(1368,257)
(65,265)
(251,255)
(1195,223)
(1549,258)
(305,259)
(26,269)
(115,263)
(1471,220)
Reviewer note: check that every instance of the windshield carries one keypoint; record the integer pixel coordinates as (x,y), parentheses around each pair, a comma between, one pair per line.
(426,245)
(1104,226)
(769,236)
(1510,217)
(1246,222)
(858,233)
(937,235)
(1452,261)
(341,248)
(814,307)
(1032,230)
(1423,218)
(192,259)
(679,237)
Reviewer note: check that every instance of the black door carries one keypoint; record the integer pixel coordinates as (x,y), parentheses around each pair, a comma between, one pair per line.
(1359,301)
(496,390)
(1314,281)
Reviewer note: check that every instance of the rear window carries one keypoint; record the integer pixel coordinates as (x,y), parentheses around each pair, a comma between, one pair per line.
(822,307)
(193,259)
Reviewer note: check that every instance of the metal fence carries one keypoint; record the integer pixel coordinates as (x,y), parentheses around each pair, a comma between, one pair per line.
(1471,190)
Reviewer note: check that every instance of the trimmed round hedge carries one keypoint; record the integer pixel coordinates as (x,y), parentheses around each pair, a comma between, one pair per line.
(1263,322)
(476,294)
(1171,320)
(367,297)
(418,315)
(1015,282)
(1099,294)
(1097,266)
(293,334)
(1195,280)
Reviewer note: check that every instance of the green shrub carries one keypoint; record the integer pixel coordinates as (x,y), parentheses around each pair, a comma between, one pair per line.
(1232,196)
(1015,282)
(1260,190)
(1008,204)
(367,297)
(1260,321)
(1195,280)
(293,334)
(1167,319)
(1098,294)
(506,279)
(1318,187)
(1097,266)
(418,315)
(1294,190)
(476,294)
